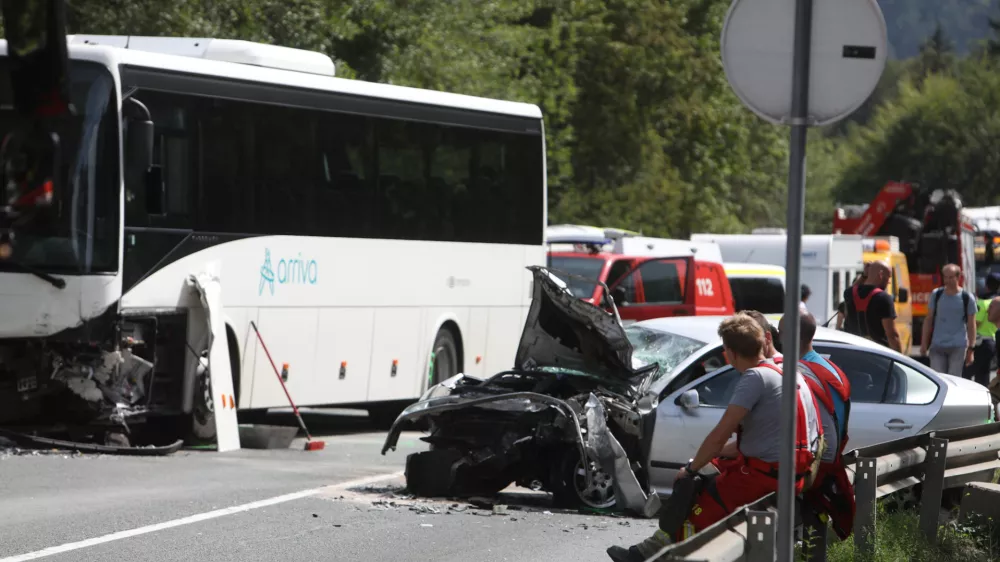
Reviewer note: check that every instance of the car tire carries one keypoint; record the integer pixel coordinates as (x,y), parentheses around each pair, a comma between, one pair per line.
(568,485)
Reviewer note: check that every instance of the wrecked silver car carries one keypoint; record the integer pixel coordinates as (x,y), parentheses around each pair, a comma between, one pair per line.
(574,394)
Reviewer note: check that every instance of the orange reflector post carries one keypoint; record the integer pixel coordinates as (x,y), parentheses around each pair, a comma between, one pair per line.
(395,362)
(479,359)
(343,364)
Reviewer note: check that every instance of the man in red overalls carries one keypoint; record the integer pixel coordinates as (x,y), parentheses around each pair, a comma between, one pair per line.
(754,413)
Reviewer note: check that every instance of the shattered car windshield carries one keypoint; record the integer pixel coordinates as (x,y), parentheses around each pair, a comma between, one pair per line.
(664,348)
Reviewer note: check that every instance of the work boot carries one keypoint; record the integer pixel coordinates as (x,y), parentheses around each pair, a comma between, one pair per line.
(642,551)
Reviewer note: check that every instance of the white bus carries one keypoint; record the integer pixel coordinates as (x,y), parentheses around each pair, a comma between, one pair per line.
(365,228)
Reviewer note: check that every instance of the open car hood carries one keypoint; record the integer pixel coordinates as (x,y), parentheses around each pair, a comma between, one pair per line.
(563,332)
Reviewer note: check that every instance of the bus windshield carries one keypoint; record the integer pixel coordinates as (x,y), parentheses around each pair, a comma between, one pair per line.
(79,231)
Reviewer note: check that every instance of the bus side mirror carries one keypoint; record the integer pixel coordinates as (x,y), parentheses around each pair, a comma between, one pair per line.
(139,145)
(156,194)
(903,294)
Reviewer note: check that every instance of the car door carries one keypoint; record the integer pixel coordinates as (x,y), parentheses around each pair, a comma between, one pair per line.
(889,399)
(655,288)
(713,295)
(678,430)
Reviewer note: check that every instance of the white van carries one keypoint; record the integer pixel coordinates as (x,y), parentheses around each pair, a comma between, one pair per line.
(829,262)
(757,286)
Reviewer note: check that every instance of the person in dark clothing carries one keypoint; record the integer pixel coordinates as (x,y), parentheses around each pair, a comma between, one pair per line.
(842,307)
(870,310)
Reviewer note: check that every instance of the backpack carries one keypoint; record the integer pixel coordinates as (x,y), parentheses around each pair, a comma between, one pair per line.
(833,390)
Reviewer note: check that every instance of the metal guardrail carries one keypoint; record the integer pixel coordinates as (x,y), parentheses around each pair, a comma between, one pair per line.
(939,460)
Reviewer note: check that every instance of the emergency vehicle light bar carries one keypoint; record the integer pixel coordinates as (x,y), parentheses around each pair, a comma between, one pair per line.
(578,239)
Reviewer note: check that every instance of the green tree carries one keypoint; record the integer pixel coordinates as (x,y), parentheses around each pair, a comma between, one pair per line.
(943,135)
(937,54)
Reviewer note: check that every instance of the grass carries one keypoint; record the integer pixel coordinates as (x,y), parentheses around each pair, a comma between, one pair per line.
(898,539)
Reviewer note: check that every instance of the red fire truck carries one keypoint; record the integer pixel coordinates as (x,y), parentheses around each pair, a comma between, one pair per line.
(932,229)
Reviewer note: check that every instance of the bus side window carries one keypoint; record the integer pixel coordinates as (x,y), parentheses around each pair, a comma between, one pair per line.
(174,141)
(346,194)
(227,203)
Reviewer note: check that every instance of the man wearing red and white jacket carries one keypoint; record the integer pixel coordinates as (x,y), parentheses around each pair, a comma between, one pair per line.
(832,493)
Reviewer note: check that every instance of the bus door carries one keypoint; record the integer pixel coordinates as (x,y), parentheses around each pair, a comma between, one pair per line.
(655,288)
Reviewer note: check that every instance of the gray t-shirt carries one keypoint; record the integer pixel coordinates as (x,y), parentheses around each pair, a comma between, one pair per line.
(949,331)
(759,390)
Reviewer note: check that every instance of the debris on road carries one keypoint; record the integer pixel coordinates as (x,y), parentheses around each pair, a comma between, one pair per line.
(34,442)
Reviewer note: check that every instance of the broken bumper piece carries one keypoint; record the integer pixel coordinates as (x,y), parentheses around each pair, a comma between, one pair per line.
(26,441)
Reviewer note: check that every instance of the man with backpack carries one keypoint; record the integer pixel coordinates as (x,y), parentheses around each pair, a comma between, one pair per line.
(870,310)
(832,494)
(949,333)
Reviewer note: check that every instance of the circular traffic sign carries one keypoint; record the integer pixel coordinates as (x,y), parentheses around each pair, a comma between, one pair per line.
(847,56)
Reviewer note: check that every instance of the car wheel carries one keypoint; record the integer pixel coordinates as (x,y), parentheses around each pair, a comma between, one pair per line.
(570,487)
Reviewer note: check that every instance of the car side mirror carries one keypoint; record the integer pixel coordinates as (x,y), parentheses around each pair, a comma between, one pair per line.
(903,294)
(690,399)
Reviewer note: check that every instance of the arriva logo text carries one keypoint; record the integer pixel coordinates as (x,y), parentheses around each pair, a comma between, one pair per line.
(294,271)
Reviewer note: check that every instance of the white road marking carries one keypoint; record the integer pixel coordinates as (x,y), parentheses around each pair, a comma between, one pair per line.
(71,546)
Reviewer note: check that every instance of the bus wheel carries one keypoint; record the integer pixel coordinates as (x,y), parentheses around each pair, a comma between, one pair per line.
(445,360)
(203,409)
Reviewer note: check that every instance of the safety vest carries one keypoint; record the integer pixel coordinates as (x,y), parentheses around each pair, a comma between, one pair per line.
(986,328)
(831,389)
(809,442)
(861,310)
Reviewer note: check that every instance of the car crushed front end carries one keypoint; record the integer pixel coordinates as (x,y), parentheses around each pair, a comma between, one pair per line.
(568,419)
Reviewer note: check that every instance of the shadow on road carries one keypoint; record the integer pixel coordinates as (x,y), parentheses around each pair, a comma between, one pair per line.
(321,422)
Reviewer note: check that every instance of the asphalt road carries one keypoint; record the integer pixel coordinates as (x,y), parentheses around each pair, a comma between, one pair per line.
(343,503)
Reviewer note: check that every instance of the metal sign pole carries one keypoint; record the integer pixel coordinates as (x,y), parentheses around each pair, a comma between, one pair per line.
(793,258)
